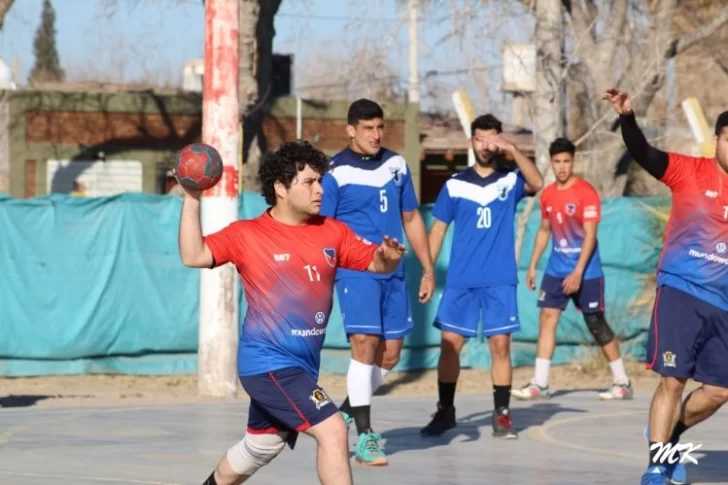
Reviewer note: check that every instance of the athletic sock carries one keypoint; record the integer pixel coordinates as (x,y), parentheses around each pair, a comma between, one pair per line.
(653,454)
(346,406)
(501,396)
(541,373)
(378,375)
(362,418)
(446,390)
(680,428)
(618,372)
(359,386)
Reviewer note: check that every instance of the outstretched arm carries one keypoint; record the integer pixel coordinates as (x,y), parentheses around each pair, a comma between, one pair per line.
(387,256)
(650,158)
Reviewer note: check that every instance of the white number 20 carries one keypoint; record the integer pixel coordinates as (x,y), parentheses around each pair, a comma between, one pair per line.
(484,217)
(383,200)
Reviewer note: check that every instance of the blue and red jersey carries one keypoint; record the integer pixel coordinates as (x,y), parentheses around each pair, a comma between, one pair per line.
(287,273)
(567,210)
(694,257)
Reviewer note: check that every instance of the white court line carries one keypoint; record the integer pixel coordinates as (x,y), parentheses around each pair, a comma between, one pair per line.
(76,477)
(539,433)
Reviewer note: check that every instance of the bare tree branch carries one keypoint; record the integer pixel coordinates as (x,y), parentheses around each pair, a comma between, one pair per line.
(615,24)
(4,8)
(686,41)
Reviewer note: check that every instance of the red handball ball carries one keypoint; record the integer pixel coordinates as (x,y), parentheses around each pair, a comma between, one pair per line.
(198,166)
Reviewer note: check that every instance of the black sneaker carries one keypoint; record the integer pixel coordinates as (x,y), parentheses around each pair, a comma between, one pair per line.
(442,420)
(502,425)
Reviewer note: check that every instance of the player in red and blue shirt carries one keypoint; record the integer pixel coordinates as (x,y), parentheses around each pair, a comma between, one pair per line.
(689,327)
(287,260)
(570,214)
(482,277)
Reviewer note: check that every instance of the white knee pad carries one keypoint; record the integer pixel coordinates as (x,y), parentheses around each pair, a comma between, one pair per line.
(255,451)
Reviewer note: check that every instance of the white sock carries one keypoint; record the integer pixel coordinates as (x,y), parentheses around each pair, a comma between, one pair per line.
(359,383)
(378,375)
(541,377)
(618,372)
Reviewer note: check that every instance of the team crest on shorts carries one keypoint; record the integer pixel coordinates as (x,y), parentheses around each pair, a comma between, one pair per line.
(668,359)
(542,296)
(330,255)
(319,398)
(570,209)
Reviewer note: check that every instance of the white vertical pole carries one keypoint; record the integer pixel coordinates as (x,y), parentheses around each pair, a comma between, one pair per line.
(299,119)
(218,334)
(414,84)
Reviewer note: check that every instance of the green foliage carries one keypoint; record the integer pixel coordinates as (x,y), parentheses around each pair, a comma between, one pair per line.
(47,65)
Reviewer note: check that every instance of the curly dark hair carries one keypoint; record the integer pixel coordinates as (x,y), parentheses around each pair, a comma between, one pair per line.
(562,145)
(284,164)
(486,122)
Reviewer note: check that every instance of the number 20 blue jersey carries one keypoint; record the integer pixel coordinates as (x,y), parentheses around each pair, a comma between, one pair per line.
(483,210)
(369,195)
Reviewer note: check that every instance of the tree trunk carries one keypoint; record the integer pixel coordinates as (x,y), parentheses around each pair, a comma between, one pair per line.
(547,99)
(256,73)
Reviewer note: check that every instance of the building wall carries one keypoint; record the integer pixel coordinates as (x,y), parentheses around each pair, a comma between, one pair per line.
(149,128)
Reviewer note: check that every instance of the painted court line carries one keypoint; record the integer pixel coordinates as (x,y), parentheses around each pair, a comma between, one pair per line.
(540,434)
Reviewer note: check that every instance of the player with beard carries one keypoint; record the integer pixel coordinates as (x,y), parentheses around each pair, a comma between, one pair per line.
(482,274)
(570,214)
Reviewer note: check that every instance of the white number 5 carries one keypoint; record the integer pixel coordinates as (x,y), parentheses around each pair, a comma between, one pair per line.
(383,200)
(484,217)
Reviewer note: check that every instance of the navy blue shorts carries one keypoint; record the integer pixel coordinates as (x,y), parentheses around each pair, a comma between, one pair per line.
(589,298)
(460,311)
(375,306)
(688,338)
(286,400)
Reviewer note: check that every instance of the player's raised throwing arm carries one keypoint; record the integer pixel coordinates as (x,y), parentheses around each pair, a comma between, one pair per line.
(650,158)
(192,248)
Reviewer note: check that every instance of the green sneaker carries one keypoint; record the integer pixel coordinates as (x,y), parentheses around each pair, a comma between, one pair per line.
(369,450)
(347,419)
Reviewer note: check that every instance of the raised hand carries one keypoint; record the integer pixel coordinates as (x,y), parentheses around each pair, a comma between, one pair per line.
(620,100)
(195,194)
(391,250)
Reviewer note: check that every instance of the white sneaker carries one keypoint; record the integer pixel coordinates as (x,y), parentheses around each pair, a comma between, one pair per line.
(531,392)
(617,391)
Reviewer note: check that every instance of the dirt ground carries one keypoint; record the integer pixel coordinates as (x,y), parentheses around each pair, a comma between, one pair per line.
(120,390)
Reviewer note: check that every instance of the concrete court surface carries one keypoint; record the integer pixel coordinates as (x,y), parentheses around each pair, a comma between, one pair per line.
(572,438)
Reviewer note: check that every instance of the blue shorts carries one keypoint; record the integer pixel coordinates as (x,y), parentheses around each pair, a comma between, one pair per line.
(286,400)
(375,306)
(688,338)
(460,311)
(589,298)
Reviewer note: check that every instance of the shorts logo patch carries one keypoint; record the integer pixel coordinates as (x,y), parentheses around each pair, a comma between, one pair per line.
(668,359)
(330,255)
(542,296)
(319,398)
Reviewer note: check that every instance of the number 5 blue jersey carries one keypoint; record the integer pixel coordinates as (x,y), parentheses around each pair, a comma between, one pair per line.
(369,195)
(483,210)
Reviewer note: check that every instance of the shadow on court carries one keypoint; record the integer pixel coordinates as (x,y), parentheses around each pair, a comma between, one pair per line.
(22,401)
(712,466)
(472,427)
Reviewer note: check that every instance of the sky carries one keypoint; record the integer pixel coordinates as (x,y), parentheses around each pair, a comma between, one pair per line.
(151,39)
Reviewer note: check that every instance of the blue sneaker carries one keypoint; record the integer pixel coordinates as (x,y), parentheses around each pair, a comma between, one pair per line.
(654,475)
(677,473)
(347,419)
(369,450)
